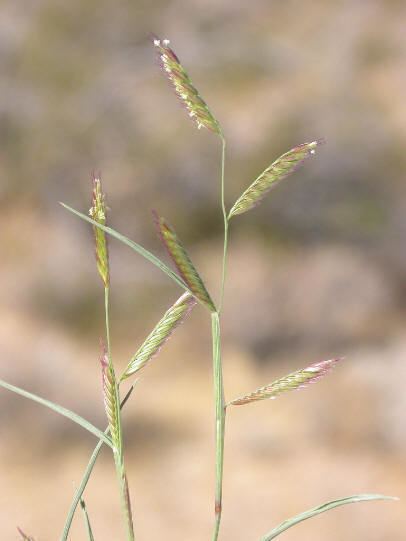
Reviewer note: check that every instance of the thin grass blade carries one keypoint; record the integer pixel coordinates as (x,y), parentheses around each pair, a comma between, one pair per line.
(87,521)
(182,262)
(24,536)
(321,509)
(175,316)
(295,380)
(196,107)
(277,171)
(133,245)
(59,409)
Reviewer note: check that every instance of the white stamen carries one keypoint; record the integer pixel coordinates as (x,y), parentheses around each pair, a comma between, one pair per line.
(157,42)
(165,42)
(312,151)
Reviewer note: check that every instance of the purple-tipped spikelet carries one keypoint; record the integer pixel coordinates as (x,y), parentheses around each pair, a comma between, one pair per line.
(24,536)
(295,380)
(98,213)
(195,105)
(176,314)
(128,503)
(111,399)
(182,261)
(277,171)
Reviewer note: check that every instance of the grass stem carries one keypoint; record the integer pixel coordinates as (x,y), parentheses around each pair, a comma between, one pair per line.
(225,218)
(118,450)
(220,417)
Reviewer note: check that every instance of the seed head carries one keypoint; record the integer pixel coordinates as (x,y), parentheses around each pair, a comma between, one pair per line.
(184,88)
(98,213)
(295,380)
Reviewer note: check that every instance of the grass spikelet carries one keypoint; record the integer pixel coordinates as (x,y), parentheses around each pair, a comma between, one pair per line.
(277,171)
(185,90)
(295,380)
(183,263)
(173,317)
(128,502)
(24,536)
(111,401)
(98,213)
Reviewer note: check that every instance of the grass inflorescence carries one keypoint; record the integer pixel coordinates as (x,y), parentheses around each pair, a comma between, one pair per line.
(193,291)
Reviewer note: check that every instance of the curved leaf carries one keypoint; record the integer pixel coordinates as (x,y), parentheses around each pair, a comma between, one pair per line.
(322,509)
(59,409)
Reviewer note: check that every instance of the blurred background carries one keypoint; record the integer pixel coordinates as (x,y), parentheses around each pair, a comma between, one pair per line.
(318,270)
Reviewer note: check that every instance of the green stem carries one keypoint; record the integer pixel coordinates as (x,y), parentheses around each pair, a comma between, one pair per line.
(86,476)
(223,208)
(220,420)
(118,450)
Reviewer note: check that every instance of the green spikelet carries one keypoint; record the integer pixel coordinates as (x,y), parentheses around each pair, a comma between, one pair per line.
(111,402)
(160,334)
(278,170)
(195,105)
(295,380)
(98,213)
(183,262)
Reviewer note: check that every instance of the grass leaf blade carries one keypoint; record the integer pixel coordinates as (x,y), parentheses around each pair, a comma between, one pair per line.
(59,409)
(87,520)
(277,171)
(183,263)
(321,509)
(133,245)
(172,318)
(24,536)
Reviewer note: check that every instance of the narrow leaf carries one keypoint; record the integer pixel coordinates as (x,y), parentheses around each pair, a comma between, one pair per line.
(160,334)
(278,170)
(133,245)
(295,380)
(24,536)
(111,401)
(183,263)
(98,213)
(321,509)
(59,409)
(195,105)
(87,520)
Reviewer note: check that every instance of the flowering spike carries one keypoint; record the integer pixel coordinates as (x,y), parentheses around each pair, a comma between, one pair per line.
(183,263)
(98,213)
(184,88)
(111,401)
(160,334)
(295,380)
(278,170)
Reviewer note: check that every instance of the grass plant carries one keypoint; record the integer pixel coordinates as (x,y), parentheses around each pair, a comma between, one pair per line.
(187,277)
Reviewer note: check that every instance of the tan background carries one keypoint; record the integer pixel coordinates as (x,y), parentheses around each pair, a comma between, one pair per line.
(317,271)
